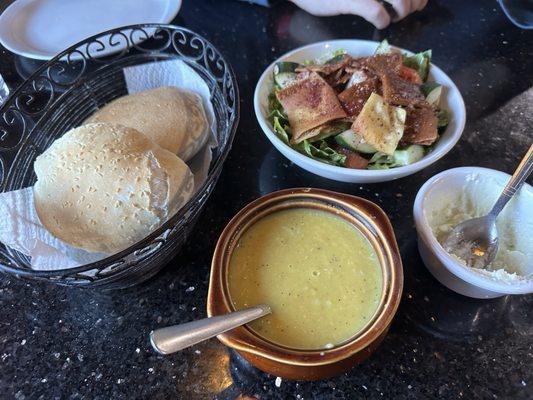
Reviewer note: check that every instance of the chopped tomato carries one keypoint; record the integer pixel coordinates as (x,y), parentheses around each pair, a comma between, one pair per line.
(353,159)
(411,75)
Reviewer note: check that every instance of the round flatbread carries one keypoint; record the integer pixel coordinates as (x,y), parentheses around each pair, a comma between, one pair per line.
(174,118)
(103,187)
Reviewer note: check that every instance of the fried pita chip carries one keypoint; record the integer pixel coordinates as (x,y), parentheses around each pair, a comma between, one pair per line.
(380,124)
(338,80)
(420,126)
(326,130)
(353,99)
(309,103)
(379,63)
(400,92)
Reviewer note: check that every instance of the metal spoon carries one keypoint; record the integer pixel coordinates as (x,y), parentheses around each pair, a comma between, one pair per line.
(476,240)
(178,337)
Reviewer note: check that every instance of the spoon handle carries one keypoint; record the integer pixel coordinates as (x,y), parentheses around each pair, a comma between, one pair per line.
(517,180)
(178,337)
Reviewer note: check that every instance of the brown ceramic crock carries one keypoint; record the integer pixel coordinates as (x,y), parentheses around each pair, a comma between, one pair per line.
(310,364)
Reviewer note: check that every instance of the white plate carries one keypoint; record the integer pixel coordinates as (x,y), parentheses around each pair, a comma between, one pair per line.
(41,29)
(451,100)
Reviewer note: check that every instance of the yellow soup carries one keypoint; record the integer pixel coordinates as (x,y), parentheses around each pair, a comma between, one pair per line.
(318,273)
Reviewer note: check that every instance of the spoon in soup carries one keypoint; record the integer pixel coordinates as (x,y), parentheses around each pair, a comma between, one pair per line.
(178,337)
(476,240)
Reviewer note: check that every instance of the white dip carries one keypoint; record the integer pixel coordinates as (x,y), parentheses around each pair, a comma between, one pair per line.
(474,198)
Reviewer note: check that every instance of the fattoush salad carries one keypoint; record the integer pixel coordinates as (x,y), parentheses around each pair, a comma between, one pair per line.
(375,112)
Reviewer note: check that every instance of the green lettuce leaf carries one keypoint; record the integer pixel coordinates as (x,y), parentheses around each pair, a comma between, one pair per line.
(443,117)
(328,58)
(321,151)
(420,62)
(400,157)
(280,130)
(278,119)
(273,102)
(383,48)
(380,161)
(331,57)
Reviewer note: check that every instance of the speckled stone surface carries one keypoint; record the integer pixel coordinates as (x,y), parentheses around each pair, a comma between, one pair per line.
(59,343)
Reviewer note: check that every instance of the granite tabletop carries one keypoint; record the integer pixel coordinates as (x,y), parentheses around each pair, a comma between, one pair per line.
(63,343)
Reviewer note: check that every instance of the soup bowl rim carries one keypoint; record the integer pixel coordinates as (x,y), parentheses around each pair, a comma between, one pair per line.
(246,340)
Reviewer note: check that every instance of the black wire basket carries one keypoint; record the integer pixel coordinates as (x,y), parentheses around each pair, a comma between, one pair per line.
(72,86)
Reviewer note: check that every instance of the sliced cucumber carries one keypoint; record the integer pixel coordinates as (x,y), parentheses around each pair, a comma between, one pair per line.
(285,66)
(352,141)
(285,79)
(427,87)
(409,155)
(432,91)
(433,97)
(285,73)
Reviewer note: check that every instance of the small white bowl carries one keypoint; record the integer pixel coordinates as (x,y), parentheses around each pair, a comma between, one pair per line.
(451,100)
(446,269)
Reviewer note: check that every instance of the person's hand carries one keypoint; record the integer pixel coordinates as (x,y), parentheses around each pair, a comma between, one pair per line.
(371,10)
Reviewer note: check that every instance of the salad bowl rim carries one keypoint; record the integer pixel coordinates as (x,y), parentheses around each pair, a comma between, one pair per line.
(343,173)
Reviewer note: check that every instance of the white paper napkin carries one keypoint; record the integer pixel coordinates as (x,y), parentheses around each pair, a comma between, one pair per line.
(20,228)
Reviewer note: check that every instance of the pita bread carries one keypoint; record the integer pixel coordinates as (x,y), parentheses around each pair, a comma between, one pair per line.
(103,187)
(174,118)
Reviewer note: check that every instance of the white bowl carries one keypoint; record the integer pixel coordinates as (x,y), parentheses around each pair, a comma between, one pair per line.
(451,100)
(447,269)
